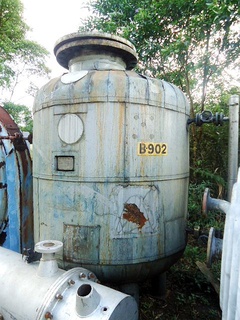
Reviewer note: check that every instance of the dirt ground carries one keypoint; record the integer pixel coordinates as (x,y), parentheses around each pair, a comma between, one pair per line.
(189,295)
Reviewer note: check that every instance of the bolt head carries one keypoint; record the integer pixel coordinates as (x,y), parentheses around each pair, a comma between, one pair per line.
(71,282)
(48,316)
(59,296)
(82,275)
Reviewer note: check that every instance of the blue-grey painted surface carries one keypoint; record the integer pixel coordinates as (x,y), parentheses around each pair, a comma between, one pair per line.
(16,208)
(118,207)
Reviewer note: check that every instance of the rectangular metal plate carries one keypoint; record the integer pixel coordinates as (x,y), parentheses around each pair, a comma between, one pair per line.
(81,243)
(65,163)
(152,149)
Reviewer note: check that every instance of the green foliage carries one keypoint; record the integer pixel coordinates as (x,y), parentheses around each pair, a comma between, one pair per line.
(32,55)
(209,159)
(186,42)
(21,115)
(196,217)
(16,53)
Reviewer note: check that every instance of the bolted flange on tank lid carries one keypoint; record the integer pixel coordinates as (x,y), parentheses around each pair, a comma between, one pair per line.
(76,44)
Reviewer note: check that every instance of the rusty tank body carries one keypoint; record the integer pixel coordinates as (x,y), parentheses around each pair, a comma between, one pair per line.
(110,162)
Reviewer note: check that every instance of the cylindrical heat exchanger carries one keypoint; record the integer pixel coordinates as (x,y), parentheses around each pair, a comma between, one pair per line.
(40,291)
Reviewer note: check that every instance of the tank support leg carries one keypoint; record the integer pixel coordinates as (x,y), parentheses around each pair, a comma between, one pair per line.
(132,289)
(159,285)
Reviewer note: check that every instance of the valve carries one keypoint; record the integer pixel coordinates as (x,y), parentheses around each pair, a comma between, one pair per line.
(207,117)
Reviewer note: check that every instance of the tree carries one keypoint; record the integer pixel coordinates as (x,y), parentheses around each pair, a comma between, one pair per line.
(186,42)
(21,115)
(17,54)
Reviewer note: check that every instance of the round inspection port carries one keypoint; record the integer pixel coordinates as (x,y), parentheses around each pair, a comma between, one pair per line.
(70,128)
(84,290)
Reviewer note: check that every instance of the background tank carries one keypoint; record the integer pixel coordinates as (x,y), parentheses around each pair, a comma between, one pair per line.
(16,205)
(111,163)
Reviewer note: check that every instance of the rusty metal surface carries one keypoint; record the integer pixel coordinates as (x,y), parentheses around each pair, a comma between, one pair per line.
(133,214)
(81,242)
(13,131)
(16,172)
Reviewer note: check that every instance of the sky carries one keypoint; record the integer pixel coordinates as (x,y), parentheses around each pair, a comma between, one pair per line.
(49,20)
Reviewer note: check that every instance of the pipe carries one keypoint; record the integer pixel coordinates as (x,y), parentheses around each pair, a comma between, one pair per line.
(87,300)
(39,291)
(230,270)
(214,247)
(230,264)
(48,266)
(209,203)
(233,142)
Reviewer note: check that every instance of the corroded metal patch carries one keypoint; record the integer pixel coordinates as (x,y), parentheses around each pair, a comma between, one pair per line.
(81,243)
(133,214)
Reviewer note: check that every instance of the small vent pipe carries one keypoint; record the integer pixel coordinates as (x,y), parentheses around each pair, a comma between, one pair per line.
(87,300)
(48,266)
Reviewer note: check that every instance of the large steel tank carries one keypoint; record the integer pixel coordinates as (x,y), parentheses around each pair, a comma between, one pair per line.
(110,162)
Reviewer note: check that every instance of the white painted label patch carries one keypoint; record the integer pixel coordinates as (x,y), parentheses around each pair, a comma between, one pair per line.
(70,128)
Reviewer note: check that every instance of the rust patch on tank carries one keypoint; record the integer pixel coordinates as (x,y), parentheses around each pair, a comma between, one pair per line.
(133,214)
